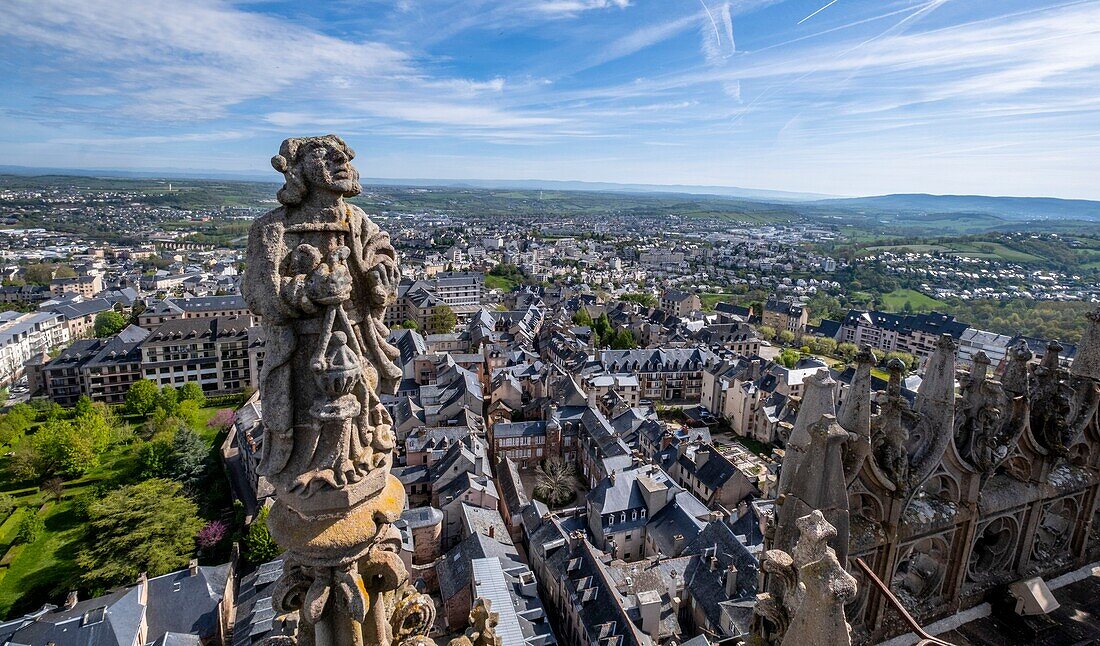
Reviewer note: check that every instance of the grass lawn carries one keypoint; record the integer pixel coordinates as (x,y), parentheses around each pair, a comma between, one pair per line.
(895,301)
(499,282)
(45,570)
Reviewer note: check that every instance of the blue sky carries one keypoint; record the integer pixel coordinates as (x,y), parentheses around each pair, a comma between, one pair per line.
(848,97)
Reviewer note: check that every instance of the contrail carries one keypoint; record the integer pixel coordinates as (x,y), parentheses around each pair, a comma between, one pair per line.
(831,3)
(717,35)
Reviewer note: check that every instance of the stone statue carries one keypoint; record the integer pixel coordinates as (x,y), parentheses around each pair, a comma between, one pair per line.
(1066,401)
(806,607)
(320,274)
(988,423)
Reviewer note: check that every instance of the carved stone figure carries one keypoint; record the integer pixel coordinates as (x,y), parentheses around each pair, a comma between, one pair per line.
(806,606)
(987,422)
(1066,401)
(890,433)
(320,275)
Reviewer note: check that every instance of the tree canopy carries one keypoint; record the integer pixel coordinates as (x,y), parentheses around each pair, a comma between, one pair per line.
(147,527)
(108,323)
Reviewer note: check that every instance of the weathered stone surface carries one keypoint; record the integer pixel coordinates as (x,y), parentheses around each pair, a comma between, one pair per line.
(806,605)
(320,275)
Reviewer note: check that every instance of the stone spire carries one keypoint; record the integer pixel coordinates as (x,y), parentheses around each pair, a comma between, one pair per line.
(855,415)
(1086,365)
(935,407)
(819,484)
(817,401)
(988,421)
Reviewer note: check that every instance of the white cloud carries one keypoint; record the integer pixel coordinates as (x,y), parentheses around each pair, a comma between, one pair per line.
(177,60)
(571,7)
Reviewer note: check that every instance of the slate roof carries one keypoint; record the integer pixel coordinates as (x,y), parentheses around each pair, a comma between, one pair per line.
(519,429)
(113,619)
(706,586)
(680,517)
(455,570)
(256,619)
(181,602)
(511,488)
(601,611)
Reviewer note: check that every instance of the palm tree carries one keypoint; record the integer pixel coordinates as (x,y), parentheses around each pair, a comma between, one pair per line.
(554,481)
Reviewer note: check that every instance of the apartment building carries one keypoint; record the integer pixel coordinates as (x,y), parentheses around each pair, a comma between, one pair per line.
(101,369)
(913,333)
(785,315)
(24,336)
(666,375)
(171,309)
(211,351)
(86,286)
(679,303)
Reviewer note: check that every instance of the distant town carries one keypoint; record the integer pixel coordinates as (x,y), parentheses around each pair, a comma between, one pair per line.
(597,394)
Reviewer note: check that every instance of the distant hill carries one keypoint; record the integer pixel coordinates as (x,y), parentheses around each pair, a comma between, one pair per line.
(522,184)
(607,187)
(1008,208)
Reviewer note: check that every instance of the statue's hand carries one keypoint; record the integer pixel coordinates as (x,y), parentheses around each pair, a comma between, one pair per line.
(381,282)
(330,284)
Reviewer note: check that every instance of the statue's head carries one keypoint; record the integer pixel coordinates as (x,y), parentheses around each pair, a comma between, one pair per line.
(315,163)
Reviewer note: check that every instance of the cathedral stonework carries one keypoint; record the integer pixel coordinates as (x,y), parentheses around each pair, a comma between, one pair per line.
(956,494)
(320,275)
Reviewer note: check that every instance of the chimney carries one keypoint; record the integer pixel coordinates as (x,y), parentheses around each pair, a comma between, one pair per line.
(492,531)
(731,581)
(712,563)
(70,601)
(143,588)
(666,440)
(702,454)
(193,567)
(649,607)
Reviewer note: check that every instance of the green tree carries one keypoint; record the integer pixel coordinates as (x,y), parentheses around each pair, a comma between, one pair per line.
(188,413)
(31,527)
(154,458)
(259,547)
(192,392)
(410,325)
(847,351)
(441,320)
(7,505)
(63,449)
(767,332)
(147,527)
(141,398)
(168,400)
(188,460)
(623,340)
(582,317)
(788,358)
(786,337)
(825,345)
(108,323)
